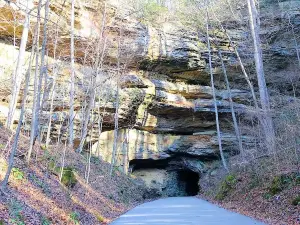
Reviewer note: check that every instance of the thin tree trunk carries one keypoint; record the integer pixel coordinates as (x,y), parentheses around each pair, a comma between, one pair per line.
(241,65)
(72,88)
(19,69)
(295,39)
(89,156)
(125,151)
(213,90)
(34,105)
(63,162)
(236,128)
(16,138)
(51,111)
(264,96)
(92,91)
(116,130)
(87,116)
(42,72)
(100,124)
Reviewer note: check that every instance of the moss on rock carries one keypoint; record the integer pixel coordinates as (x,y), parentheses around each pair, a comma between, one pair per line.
(281,182)
(296,201)
(68,176)
(226,187)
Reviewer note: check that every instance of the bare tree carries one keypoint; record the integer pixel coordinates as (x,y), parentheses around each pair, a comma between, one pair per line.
(43,70)
(34,105)
(267,122)
(213,89)
(236,51)
(116,130)
(18,131)
(92,86)
(17,78)
(72,83)
(236,127)
(294,35)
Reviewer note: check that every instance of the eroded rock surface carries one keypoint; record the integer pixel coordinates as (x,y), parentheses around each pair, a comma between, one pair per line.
(166,121)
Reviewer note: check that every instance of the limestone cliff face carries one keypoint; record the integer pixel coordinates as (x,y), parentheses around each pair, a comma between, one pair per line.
(166,114)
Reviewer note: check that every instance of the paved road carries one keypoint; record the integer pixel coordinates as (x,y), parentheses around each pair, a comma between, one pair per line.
(182,211)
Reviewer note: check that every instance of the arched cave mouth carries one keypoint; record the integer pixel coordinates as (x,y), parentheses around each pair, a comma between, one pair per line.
(190,180)
(168,176)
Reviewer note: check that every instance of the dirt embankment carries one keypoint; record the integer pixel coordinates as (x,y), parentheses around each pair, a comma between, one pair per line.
(35,195)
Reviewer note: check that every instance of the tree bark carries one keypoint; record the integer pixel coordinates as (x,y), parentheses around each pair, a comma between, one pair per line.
(18,131)
(213,90)
(241,65)
(235,123)
(72,85)
(267,121)
(17,79)
(116,130)
(34,105)
(92,86)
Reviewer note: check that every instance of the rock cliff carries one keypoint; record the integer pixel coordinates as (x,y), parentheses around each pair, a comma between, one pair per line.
(166,117)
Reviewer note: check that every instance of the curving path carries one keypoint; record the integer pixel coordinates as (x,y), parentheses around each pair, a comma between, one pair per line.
(182,211)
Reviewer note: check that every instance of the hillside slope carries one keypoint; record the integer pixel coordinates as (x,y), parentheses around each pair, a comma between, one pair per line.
(35,195)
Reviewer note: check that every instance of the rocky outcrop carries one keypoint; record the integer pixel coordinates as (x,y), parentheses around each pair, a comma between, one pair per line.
(166,112)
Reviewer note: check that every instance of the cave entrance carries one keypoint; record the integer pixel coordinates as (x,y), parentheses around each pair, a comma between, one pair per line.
(168,180)
(139,164)
(189,180)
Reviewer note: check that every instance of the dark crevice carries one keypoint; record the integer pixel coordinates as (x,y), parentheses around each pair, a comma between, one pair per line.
(190,181)
(137,164)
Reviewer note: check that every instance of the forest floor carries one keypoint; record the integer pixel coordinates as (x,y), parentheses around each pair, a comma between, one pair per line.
(36,196)
(272,195)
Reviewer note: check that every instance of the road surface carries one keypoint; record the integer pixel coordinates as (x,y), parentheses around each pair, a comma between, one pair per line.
(182,211)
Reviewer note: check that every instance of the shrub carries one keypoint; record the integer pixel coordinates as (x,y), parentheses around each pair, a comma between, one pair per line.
(99,217)
(281,182)
(45,221)
(74,217)
(226,187)
(17,173)
(296,201)
(68,176)
(15,210)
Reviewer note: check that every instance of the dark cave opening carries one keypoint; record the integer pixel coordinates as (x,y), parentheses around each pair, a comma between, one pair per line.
(165,175)
(137,164)
(190,181)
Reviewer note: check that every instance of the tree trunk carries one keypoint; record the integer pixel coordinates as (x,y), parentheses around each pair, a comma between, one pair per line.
(241,65)
(116,130)
(236,128)
(264,96)
(213,90)
(72,88)
(43,70)
(92,86)
(42,67)
(17,79)
(295,39)
(16,138)
(63,162)
(51,110)
(34,105)
(87,116)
